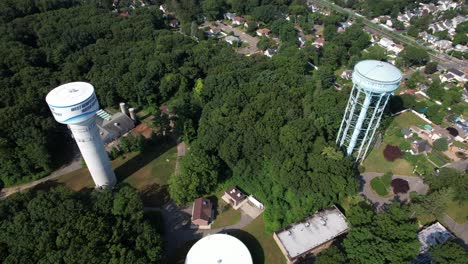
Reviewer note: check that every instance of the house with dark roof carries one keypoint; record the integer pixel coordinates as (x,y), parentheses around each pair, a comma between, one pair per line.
(419,147)
(406,133)
(458,75)
(234,197)
(202,212)
(114,127)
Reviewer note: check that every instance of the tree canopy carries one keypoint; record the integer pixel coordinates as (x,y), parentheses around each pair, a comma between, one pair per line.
(61,226)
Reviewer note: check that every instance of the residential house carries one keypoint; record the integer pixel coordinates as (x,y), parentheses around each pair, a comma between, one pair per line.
(458,75)
(406,133)
(397,48)
(174,23)
(301,240)
(202,212)
(302,40)
(113,127)
(238,21)
(234,197)
(229,16)
(433,235)
(461,48)
(232,40)
(270,52)
(465,95)
(318,43)
(263,32)
(443,44)
(347,74)
(428,37)
(419,147)
(448,77)
(444,5)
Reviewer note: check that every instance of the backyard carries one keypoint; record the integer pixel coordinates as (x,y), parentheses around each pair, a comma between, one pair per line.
(376,162)
(228,216)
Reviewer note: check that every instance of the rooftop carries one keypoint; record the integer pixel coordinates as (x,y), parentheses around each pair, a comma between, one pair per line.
(202,209)
(301,237)
(433,235)
(219,248)
(69,94)
(235,193)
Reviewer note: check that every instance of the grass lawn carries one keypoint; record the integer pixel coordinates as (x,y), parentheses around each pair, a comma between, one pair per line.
(376,162)
(438,158)
(457,211)
(378,186)
(407,119)
(151,168)
(81,178)
(260,244)
(157,171)
(226,218)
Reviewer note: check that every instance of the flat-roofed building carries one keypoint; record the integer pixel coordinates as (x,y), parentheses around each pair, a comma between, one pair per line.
(310,236)
(234,197)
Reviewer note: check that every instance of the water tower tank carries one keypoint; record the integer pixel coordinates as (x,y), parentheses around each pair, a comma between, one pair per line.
(373,84)
(218,249)
(75,104)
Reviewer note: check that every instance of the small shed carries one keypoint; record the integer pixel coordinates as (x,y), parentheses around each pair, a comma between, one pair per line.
(202,212)
(234,197)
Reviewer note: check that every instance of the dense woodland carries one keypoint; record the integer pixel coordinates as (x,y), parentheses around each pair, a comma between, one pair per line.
(266,125)
(61,226)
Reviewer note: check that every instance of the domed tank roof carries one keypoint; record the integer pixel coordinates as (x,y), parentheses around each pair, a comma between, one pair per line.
(72,103)
(218,248)
(376,76)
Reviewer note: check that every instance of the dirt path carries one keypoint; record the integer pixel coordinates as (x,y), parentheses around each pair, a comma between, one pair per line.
(181,151)
(74,165)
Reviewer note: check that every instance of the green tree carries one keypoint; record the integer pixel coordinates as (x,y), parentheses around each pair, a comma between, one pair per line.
(440,144)
(430,68)
(198,176)
(449,252)
(413,56)
(374,234)
(213,8)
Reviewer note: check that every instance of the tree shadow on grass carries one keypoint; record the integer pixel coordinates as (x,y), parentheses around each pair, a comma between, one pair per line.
(151,152)
(155,195)
(255,248)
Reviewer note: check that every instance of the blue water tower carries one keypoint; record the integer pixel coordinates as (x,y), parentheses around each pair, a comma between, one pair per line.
(373,84)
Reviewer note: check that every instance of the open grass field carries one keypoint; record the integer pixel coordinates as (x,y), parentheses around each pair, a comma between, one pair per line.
(378,186)
(151,168)
(457,211)
(375,162)
(226,218)
(261,244)
(407,119)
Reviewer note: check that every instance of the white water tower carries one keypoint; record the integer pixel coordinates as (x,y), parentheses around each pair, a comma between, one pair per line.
(75,104)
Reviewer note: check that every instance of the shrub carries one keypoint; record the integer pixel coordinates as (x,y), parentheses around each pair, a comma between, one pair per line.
(392,153)
(460,154)
(387,178)
(400,186)
(378,186)
(440,144)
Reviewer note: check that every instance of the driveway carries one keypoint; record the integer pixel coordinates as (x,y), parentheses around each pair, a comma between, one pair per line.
(244,37)
(416,184)
(177,220)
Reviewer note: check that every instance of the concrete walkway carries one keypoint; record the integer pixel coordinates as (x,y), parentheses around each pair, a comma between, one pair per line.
(72,166)
(460,230)
(416,184)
